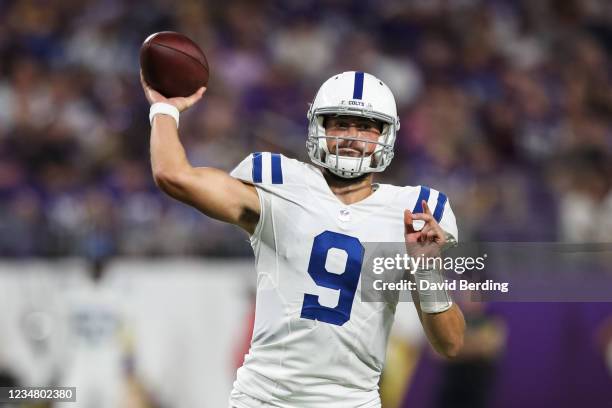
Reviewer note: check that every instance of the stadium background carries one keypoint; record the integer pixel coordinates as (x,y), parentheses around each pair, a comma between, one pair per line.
(505,105)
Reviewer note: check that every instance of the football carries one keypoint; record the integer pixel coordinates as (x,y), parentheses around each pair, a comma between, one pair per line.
(173,64)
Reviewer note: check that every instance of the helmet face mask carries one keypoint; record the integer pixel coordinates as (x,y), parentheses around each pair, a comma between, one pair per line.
(355,94)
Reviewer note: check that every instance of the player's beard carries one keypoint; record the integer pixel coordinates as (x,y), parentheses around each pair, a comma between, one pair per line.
(347,150)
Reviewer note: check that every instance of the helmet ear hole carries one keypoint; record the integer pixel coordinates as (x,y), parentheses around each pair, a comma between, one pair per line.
(321,136)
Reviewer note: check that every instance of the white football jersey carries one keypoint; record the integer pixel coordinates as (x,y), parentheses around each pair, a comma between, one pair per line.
(315,344)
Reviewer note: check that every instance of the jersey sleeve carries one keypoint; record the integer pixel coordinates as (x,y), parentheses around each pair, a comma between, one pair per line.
(448,221)
(265,171)
(441,209)
(260,168)
(244,170)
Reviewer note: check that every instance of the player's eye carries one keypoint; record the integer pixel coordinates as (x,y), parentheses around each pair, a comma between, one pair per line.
(369,127)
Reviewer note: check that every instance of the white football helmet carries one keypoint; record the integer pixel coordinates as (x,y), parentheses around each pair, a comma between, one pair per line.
(352,93)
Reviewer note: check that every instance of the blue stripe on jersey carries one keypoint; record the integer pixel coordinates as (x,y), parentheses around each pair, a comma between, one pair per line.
(277,170)
(257,167)
(358,87)
(423,195)
(439,211)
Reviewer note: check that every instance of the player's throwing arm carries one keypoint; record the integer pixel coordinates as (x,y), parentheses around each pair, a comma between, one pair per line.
(212,191)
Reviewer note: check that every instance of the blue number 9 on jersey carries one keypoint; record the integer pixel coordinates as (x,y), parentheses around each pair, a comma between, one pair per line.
(345,282)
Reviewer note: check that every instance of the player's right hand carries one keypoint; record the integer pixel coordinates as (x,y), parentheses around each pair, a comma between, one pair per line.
(180,103)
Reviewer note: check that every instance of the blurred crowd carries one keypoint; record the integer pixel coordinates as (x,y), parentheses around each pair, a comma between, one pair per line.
(506,106)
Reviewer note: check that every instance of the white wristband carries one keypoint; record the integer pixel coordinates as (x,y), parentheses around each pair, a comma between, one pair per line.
(164,109)
(436,299)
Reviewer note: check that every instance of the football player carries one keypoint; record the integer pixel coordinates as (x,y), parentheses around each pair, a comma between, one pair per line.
(315,344)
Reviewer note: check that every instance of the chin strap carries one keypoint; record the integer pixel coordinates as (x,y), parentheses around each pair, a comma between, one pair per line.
(347,167)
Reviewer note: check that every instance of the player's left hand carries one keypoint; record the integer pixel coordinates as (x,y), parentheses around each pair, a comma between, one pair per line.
(180,103)
(430,239)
